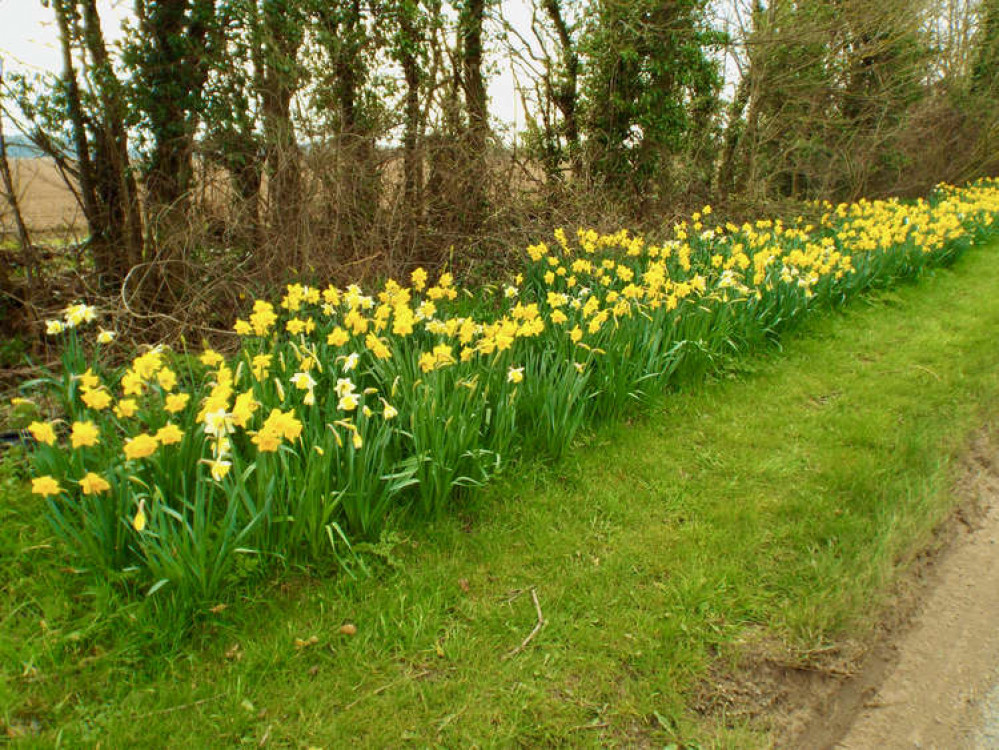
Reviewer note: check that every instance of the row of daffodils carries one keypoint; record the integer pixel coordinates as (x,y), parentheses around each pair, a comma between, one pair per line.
(342,409)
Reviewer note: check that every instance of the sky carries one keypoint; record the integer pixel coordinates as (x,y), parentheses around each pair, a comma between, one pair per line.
(29,42)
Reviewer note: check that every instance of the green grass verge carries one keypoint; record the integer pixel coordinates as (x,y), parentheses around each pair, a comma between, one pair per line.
(783,499)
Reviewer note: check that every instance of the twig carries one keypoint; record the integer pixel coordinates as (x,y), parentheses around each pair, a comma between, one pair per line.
(383,688)
(927,370)
(584,727)
(537,627)
(181,707)
(448,719)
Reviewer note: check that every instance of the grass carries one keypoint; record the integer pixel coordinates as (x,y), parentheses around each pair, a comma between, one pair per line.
(783,498)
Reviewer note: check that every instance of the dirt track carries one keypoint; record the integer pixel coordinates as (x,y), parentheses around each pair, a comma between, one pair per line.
(935,684)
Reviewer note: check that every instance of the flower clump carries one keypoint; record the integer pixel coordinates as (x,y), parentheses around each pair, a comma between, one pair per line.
(342,407)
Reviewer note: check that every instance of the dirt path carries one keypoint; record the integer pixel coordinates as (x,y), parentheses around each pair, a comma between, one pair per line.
(937,684)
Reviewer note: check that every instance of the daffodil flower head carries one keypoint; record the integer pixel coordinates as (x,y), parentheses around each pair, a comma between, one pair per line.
(43,432)
(303,381)
(219,469)
(94,484)
(45,486)
(218,423)
(344,386)
(139,521)
(79,314)
(84,434)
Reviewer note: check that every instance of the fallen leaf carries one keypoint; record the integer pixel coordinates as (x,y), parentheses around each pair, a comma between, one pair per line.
(348,629)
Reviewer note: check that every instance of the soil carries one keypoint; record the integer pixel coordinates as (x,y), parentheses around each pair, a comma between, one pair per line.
(929,675)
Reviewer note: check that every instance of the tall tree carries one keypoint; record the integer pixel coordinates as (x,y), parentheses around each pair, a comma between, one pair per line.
(170,57)
(280,36)
(93,104)
(651,83)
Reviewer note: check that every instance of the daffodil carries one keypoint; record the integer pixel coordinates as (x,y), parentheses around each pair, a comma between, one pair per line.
(167,379)
(94,484)
(303,381)
(84,434)
(176,402)
(97,399)
(43,432)
(79,314)
(140,446)
(337,337)
(125,408)
(219,469)
(169,434)
(218,422)
(139,521)
(210,358)
(243,409)
(88,380)
(45,486)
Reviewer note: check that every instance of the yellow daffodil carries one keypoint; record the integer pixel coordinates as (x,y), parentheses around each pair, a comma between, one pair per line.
(43,432)
(45,486)
(337,337)
(139,522)
(210,358)
(88,381)
(169,434)
(94,484)
(84,434)
(167,379)
(140,446)
(126,408)
(176,402)
(219,469)
(97,399)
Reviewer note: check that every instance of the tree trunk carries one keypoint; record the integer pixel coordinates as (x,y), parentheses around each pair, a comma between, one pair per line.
(412,157)
(472,212)
(566,96)
(116,192)
(11,195)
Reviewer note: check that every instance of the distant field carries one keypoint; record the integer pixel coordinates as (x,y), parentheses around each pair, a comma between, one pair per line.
(46,203)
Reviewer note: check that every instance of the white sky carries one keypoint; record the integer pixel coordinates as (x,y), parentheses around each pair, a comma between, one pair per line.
(29,42)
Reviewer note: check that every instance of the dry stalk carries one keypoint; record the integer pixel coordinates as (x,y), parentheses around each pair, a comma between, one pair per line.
(534,631)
